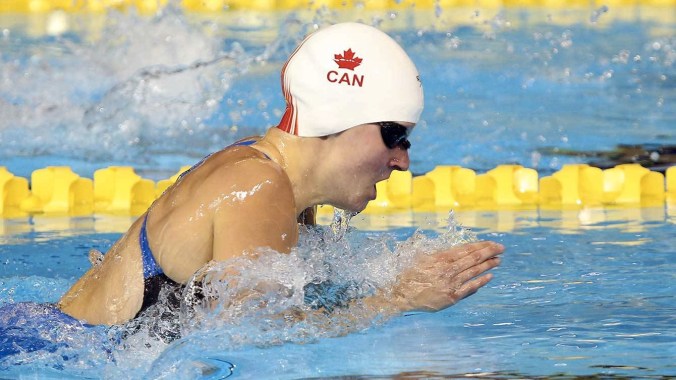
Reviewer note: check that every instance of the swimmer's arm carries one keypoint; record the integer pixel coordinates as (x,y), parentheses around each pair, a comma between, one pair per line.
(436,282)
(259,212)
(433,283)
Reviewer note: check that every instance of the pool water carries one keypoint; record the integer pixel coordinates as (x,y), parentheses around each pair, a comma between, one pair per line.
(580,292)
(570,299)
(536,87)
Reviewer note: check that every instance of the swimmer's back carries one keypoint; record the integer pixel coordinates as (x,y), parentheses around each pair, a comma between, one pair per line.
(181,223)
(181,229)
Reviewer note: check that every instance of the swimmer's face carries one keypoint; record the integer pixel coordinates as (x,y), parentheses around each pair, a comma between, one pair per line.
(370,153)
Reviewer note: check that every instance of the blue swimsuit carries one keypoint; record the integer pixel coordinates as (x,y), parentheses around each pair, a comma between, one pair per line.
(154,278)
(150,267)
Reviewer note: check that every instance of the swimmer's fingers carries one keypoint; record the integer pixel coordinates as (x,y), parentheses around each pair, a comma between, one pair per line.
(472,287)
(470,280)
(469,255)
(477,270)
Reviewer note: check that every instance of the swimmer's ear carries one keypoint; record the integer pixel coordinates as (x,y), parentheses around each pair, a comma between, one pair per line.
(308,217)
(95,257)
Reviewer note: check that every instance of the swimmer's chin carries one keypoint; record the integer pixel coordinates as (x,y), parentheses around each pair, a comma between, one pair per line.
(355,209)
(358,205)
(371,197)
(362,205)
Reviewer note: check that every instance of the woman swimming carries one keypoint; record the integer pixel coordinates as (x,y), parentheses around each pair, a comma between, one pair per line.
(352,98)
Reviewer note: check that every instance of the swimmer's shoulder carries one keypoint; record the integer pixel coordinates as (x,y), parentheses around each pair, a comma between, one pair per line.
(243,166)
(229,168)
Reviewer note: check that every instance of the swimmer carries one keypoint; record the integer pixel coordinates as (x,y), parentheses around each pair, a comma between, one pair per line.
(353,96)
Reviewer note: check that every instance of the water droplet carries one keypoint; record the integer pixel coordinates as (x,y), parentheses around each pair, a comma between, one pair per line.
(340,223)
(596,14)
(437,10)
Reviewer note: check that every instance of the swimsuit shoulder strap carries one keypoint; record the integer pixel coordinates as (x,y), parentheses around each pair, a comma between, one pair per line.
(150,267)
(238,143)
(248,143)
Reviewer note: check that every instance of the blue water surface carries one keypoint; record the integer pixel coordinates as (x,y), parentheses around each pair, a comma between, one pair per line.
(540,88)
(571,298)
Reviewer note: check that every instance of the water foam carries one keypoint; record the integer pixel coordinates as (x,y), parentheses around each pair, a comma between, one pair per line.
(111,96)
(317,291)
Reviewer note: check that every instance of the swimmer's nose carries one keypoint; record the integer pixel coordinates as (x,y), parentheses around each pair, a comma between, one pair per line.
(400,160)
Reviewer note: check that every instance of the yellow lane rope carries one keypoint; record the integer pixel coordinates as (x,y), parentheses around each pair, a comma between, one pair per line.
(57,190)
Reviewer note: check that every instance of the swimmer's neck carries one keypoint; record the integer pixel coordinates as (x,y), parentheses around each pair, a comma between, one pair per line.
(301,158)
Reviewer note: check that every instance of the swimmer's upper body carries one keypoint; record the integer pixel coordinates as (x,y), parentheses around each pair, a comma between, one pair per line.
(353,96)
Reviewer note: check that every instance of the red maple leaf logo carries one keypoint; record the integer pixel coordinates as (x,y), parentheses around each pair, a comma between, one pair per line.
(348,60)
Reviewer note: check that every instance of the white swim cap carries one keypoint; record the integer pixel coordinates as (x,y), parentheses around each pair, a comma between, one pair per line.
(346,75)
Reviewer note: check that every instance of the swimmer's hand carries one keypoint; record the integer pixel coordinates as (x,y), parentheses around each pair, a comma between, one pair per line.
(440,280)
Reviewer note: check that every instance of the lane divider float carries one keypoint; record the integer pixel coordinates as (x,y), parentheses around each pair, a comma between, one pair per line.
(57,190)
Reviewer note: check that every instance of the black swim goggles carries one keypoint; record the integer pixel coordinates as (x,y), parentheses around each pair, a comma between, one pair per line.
(394,134)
